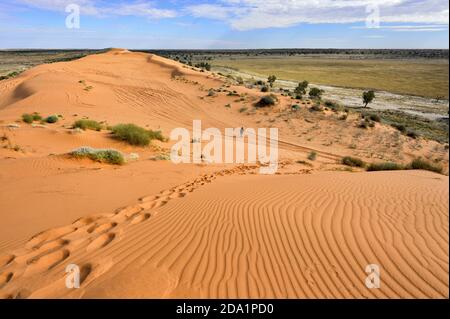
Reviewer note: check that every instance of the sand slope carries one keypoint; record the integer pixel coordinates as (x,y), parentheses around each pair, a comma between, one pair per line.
(247,236)
(152,229)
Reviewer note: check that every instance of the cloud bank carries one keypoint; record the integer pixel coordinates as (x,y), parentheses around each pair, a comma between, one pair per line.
(259,14)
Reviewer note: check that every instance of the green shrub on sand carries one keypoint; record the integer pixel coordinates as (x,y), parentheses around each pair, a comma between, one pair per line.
(109,156)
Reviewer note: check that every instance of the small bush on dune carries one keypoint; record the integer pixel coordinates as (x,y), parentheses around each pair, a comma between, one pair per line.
(312,156)
(268,100)
(87,125)
(51,119)
(27,118)
(412,134)
(30,118)
(388,166)
(419,163)
(316,107)
(399,127)
(353,162)
(109,156)
(366,123)
(132,134)
(264,89)
(156,135)
(136,135)
(336,107)
(36,116)
(375,118)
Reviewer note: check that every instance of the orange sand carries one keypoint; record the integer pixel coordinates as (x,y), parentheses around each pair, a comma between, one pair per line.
(201,231)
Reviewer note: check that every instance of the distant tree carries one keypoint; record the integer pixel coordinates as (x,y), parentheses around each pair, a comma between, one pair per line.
(300,90)
(271,79)
(368,97)
(315,93)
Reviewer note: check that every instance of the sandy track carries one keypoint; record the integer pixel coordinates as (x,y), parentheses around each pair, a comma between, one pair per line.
(231,234)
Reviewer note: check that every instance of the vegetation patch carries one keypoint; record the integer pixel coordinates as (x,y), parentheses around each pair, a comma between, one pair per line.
(312,156)
(51,119)
(30,118)
(430,129)
(265,101)
(135,135)
(88,125)
(420,163)
(353,162)
(109,156)
(387,166)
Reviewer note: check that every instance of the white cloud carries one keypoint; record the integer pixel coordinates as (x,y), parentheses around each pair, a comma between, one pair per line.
(410,28)
(104,8)
(258,14)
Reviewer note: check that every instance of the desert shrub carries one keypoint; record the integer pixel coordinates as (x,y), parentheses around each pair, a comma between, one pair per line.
(259,82)
(27,118)
(399,127)
(87,125)
(412,134)
(387,166)
(203,66)
(375,117)
(161,157)
(132,134)
(135,135)
(366,123)
(333,105)
(211,93)
(343,117)
(420,163)
(243,109)
(265,89)
(353,162)
(316,107)
(51,119)
(295,107)
(312,156)
(109,156)
(157,135)
(315,93)
(268,100)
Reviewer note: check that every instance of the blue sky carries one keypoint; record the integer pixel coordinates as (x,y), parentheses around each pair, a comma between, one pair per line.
(227,24)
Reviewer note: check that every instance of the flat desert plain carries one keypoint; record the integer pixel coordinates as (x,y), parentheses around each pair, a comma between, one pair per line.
(154,229)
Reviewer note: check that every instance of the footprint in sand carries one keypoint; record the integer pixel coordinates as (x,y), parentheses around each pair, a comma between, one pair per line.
(160,203)
(84,221)
(6,260)
(42,250)
(177,195)
(149,198)
(49,235)
(46,261)
(101,241)
(102,228)
(140,218)
(5,278)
